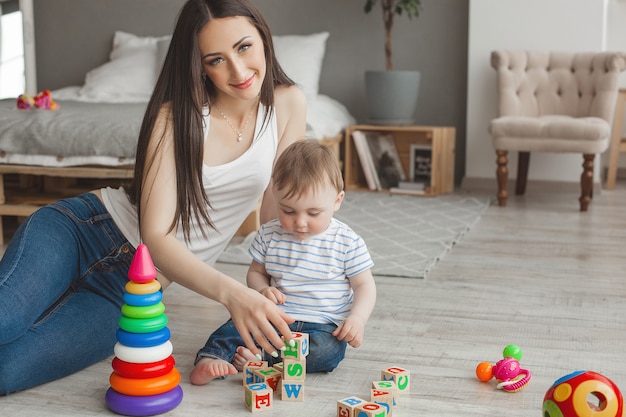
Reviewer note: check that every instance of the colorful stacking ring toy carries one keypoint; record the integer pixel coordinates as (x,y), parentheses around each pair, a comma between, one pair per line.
(143,370)
(141,300)
(143,339)
(145,386)
(143,312)
(147,288)
(143,406)
(145,354)
(150,325)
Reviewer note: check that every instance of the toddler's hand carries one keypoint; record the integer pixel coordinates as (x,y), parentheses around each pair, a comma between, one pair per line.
(352,331)
(272,294)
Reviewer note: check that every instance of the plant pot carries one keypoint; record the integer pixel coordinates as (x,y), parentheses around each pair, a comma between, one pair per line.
(392,97)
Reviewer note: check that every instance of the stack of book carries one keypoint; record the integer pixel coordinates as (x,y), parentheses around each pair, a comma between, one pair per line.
(382,167)
(379,158)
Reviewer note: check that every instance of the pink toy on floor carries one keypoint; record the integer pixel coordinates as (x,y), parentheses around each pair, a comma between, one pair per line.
(508,372)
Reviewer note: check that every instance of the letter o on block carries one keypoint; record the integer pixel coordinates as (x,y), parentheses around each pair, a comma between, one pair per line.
(370,410)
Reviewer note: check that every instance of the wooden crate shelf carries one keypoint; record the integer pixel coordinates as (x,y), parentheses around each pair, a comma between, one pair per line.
(440,139)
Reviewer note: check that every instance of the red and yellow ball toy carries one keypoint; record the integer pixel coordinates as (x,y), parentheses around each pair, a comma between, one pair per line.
(583,394)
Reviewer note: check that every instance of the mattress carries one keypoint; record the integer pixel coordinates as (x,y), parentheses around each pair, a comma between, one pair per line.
(91,133)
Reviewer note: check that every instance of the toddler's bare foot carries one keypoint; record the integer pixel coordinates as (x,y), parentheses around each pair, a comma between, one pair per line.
(207,369)
(242,357)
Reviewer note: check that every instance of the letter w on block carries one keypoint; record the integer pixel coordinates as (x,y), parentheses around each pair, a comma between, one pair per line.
(292,391)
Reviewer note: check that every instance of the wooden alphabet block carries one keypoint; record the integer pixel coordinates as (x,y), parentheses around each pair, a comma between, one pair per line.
(248,371)
(347,406)
(270,376)
(291,390)
(387,386)
(294,370)
(370,409)
(258,397)
(278,366)
(384,398)
(300,349)
(399,375)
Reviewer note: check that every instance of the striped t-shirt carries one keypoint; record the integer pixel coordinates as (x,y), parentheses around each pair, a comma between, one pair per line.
(314,274)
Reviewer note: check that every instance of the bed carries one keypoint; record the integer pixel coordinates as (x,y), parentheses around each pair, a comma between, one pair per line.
(90,139)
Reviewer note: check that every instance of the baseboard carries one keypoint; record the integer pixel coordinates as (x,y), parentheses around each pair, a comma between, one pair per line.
(491,184)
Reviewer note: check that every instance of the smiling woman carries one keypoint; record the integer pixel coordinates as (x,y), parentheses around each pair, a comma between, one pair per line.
(182,204)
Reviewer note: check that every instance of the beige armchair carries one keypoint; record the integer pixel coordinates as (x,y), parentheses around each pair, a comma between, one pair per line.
(553,102)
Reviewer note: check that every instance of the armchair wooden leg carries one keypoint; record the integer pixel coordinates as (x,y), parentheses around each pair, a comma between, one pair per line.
(586,181)
(618,144)
(502,174)
(523,160)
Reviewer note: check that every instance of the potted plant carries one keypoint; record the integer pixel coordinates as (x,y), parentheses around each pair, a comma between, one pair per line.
(392,94)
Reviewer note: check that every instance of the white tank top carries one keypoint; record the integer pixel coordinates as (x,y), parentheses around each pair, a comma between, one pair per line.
(233,190)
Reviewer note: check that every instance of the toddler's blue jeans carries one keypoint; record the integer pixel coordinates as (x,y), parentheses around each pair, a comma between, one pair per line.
(325,351)
(62,279)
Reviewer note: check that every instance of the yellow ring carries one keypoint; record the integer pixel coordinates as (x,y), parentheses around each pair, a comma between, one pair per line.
(147,288)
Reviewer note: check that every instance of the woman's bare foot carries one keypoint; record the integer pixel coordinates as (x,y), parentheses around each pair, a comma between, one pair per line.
(242,357)
(207,369)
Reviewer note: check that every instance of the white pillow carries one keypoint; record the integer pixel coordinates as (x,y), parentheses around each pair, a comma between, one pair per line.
(301,57)
(130,74)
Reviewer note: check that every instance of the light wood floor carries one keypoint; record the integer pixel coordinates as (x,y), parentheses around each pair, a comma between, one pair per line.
(538,273)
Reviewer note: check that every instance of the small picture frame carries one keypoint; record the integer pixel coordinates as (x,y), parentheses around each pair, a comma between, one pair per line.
(420,163)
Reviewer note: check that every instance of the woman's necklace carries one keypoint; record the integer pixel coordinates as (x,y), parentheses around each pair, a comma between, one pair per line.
(243,128)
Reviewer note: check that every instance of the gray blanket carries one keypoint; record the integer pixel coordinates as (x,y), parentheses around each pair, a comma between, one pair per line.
(76,129)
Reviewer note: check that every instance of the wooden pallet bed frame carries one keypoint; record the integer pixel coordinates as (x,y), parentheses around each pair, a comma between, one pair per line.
(39,185)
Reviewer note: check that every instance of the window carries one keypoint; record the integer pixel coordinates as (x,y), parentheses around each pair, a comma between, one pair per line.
(12,81)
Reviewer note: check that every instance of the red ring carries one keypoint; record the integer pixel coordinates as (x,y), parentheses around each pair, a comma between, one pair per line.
(142,370)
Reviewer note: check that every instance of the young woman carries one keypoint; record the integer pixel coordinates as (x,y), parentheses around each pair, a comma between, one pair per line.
(222,111)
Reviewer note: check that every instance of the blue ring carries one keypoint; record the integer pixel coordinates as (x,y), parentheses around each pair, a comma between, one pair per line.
(143,339)
(142,300)
(148,405)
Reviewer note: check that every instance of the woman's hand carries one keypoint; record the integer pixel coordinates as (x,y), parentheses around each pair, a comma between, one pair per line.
(258,319)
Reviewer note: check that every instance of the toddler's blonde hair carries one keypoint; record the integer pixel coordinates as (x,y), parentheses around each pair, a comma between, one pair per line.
(304,166)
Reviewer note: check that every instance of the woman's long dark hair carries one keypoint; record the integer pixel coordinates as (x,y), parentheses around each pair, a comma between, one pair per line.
(182,87)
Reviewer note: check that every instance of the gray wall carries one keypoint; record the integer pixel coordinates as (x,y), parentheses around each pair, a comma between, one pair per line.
(73,36)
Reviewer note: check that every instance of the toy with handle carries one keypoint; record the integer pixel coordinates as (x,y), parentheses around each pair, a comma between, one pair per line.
(507,371)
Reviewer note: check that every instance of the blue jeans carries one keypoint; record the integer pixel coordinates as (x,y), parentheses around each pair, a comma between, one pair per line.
(325,350)
(62,279)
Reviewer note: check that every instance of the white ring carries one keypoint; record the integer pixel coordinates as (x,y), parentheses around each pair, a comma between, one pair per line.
(145,354)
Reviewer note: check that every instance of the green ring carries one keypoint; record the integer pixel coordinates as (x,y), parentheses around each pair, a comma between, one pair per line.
(153,324)
(143,312)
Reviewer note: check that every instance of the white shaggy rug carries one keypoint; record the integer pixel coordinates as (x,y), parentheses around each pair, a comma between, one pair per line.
(405,235)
